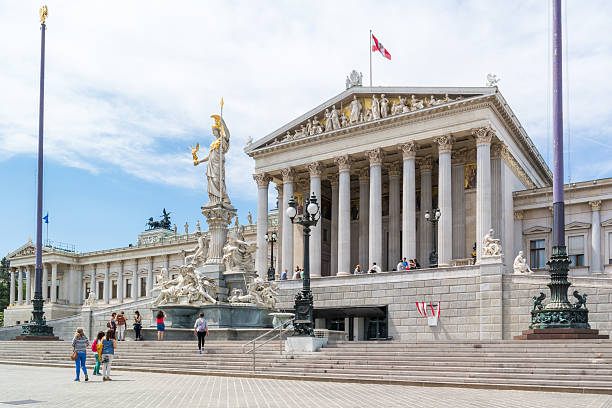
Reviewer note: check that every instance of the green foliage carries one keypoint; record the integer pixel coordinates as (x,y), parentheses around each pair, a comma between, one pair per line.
(4,285)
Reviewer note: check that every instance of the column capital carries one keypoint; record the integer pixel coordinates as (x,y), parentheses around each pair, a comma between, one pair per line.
(394,170)
(364,175)
(483,135)
(426,163)
(445,143)
(409,149)
(497,149)
(288,174)
(262,180)
(315,169)
(519,215)
(459,156)
(375,156)
(343,162)
(595,205)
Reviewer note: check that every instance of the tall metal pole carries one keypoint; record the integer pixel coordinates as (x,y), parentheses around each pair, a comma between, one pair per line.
(370,52)
(37,328)
(558,199)
(221,166)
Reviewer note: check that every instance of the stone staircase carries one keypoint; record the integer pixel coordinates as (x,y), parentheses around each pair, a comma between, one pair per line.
(570,366)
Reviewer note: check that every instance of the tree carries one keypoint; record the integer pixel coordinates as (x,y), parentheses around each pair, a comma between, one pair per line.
(4,284)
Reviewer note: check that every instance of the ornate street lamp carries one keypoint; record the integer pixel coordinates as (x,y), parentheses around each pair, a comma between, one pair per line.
(433,217)
(271,238)
(304,320)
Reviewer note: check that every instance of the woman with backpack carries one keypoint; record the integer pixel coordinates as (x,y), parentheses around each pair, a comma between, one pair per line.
(94,348)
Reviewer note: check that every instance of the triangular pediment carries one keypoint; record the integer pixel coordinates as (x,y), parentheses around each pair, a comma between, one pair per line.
(361,106)
(537,230)
(27,249)
(576,225)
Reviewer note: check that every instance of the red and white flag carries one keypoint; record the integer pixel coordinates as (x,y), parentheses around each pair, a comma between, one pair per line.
(377,46)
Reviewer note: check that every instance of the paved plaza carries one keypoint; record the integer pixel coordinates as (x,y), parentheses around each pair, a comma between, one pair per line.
(53,387)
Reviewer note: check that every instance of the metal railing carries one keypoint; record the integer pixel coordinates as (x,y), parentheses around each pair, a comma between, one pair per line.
(281,328)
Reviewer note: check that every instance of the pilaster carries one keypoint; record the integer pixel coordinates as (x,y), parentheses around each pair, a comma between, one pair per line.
(596,259)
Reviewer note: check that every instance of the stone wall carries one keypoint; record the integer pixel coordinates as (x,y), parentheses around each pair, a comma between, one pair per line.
(478,302)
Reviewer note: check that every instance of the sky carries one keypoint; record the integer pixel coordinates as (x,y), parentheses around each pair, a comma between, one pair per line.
(130,86)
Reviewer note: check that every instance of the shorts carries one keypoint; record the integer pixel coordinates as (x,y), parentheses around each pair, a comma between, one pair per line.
(161,326)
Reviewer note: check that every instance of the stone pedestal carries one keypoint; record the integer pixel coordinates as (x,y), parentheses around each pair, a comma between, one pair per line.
(219,216)
(304,344)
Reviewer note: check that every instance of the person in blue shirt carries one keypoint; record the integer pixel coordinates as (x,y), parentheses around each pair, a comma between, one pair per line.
(284,275)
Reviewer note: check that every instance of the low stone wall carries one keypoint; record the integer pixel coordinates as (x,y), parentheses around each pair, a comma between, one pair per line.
(477,302)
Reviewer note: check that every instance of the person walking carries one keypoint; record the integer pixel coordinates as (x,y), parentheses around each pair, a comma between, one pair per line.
(108,347)
(201,331)
(121,325)
(94,348)
(159,319)
(137,325)
(79,344)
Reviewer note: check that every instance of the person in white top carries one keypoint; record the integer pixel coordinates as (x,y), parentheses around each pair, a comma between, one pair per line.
(201,331)
(374,268)
(400,266)
(357,270)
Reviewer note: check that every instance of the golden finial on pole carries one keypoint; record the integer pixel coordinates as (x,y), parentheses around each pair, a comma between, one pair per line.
(43,14)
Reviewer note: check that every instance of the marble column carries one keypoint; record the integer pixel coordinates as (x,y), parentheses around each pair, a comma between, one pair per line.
(20,285)
(261,256)
(595,236)
(364,218)
(458,157)
(409,200)
(150,276)
(395,252)
(28,284)
(518,233)
(508,207)
(12,288)
(135,280)
(92,282)
(344,214)
(445,223)
(334,181)
(315,170)
(288,175)
(106,282)
(426,231)
(279,242)
(120,283)
(54,282)
(497,187)
(375,156)
(45,282)
(483,137)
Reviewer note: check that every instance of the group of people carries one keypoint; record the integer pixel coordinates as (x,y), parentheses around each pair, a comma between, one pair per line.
(406,265)
(105,344)
(297,274)
(118,324)
(103,348)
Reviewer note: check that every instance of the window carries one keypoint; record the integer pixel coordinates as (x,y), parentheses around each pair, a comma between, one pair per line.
(143,286)
(114,290)
(128,288)
(100,290)
(576,250)
(87,289)
(537,254)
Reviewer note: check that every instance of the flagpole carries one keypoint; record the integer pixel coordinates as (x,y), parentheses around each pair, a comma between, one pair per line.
(221,155)
(370,51)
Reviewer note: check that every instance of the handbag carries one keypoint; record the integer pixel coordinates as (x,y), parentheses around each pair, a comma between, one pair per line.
(74,355)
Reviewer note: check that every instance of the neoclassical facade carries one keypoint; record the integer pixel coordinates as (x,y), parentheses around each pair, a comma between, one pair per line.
(379,158)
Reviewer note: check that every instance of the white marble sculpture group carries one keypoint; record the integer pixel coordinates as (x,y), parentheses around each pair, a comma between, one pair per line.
(189,287)
(259,292)
(380,107)
(491,246)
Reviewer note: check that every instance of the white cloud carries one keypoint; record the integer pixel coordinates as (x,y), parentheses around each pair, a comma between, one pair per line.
(131,85)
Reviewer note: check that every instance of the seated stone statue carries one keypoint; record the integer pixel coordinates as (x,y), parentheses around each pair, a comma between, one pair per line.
(238,255)
(91,299)
(238,297)
(491,246)
(520,264)
(201,252)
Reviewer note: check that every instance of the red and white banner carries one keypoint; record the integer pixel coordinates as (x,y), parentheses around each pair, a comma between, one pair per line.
(377,46)
(423,309)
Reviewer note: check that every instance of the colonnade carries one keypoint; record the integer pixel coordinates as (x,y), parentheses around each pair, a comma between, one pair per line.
(401,210)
